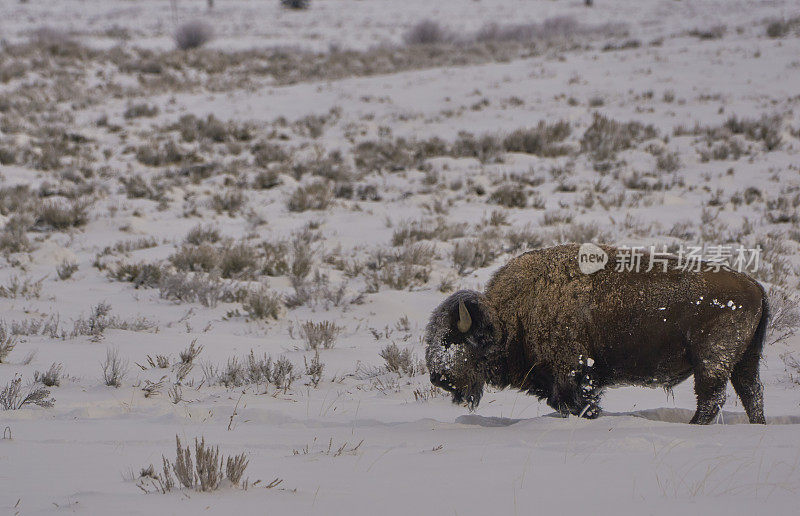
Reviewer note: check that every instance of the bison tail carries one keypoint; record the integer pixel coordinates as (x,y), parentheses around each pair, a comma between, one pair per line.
(745,377)
(760,335)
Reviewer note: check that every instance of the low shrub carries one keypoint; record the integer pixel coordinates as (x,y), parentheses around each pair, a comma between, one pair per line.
(193,34)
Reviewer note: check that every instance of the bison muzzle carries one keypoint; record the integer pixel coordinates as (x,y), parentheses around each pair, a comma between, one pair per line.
(545,327)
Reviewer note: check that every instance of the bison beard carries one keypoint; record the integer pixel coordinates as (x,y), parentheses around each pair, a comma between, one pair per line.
(544,327)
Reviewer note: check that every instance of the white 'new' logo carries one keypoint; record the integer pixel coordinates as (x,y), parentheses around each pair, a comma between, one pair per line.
(591,258)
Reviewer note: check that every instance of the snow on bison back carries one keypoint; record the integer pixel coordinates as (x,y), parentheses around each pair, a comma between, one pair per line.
(546,327)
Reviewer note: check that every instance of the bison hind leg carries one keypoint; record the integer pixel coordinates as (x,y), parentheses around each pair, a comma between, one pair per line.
(710,391)
(746,383)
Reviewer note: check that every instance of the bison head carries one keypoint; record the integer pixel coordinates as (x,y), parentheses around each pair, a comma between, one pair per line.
(458,341)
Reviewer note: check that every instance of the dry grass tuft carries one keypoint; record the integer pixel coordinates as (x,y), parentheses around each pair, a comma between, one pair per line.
(193,34)
(314,369)
(402,361)
(12,398)
(51,377)
(14,237)
(427,32)
(543,140)
(605,137)
(784,315)
(780,28)
(60,215)
(114,368)
(314,196)
(320,334)
(206,289)
(205,471)
(7,342)
(253,370)
(295,4)
(21,288)
(66,269)
(474,253)
(263,304)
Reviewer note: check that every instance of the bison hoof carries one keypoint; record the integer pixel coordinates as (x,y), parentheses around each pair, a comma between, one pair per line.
(590,412)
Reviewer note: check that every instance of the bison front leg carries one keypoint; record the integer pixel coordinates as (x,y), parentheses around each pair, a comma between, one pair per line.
(577,391)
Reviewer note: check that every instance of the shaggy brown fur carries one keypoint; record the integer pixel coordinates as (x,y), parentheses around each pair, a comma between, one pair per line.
(545,327)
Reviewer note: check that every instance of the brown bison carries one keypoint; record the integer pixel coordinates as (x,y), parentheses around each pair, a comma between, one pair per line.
(547,328)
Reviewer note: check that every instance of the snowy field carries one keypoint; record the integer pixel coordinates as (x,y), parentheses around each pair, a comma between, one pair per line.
(297,195)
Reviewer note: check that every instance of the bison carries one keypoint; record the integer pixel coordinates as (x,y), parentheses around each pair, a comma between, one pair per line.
(545,327)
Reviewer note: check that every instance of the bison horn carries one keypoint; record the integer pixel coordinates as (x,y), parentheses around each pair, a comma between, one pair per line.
(464,320)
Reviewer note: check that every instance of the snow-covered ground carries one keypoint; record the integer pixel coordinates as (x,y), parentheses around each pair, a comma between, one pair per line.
(365,439)
(362,23)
